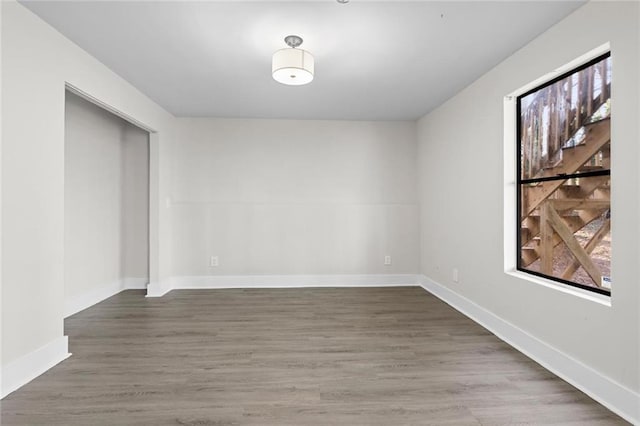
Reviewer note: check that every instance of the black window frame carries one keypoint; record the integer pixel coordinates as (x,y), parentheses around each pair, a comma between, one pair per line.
(520,182)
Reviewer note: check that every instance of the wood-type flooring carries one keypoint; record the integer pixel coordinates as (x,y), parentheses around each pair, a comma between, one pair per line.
(305,356)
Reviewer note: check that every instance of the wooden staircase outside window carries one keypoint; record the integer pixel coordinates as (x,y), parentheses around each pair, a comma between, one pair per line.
(564,178)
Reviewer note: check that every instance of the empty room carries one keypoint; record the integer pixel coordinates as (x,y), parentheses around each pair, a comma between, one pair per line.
(336,212)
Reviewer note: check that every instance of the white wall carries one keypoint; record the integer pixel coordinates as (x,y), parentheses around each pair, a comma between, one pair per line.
(294,197)
(461,189)
(106,199)
(135,202)
(1,235)
(37,61)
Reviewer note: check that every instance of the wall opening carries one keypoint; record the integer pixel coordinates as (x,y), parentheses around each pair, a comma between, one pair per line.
(106,204)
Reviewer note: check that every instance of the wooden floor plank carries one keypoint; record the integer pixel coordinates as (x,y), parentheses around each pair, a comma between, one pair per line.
(324,356)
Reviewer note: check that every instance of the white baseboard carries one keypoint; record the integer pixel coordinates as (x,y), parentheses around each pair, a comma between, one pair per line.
(292,281)
(21,371)
(83,301)
(618,398)
(159,288)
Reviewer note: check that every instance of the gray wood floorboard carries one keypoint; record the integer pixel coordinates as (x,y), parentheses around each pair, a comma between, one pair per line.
(323,356)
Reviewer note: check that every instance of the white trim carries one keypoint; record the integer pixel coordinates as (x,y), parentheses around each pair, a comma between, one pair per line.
(159,288)
(618,398)
(105,106)
(83,301)
(591,296)
(26,368)
(292,281)
(509,177)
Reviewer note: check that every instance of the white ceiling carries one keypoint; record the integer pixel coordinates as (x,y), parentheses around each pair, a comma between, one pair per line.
(374,60)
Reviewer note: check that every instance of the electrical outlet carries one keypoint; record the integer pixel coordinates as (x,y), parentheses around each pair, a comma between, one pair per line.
(455,276)
(387,260)
(213,262)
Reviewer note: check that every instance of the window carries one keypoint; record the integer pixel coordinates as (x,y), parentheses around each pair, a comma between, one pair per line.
(563,178)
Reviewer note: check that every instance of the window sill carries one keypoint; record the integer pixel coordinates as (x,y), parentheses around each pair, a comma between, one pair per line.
(564,288)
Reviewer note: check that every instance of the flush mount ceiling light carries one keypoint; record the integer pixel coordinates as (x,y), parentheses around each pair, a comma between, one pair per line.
(292,66)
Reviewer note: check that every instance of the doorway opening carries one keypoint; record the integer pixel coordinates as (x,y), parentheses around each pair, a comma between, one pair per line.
(106,235)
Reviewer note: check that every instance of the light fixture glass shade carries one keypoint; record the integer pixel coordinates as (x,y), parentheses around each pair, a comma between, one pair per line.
(292,66)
